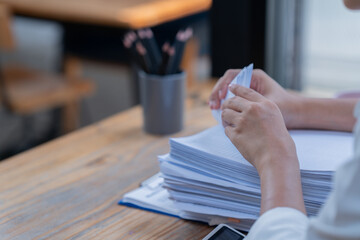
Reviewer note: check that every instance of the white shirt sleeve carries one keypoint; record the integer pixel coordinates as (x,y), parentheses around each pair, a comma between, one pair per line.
(339,218)
(279,224)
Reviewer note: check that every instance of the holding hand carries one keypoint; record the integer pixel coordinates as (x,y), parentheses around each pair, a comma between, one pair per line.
(288,103)
(255,121)
(256,127)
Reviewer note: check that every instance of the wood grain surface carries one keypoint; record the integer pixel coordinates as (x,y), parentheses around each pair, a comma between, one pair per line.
(124,13)
(69,188)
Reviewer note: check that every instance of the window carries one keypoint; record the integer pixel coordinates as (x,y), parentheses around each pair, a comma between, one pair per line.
(331,48)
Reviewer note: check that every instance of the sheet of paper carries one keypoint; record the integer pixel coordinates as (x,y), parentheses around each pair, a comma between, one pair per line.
(322,150)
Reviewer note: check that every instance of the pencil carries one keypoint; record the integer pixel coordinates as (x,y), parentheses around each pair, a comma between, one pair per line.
(129,42)
(180,41)
(153,48)
(165,58)
(144,36)
(170,64)
(144,57)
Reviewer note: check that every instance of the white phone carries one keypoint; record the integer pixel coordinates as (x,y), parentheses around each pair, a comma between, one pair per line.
(224,232)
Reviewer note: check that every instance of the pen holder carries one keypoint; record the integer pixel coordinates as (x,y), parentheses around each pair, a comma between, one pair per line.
(162,99)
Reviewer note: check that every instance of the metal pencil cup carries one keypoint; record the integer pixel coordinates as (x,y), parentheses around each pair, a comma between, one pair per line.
(162,99)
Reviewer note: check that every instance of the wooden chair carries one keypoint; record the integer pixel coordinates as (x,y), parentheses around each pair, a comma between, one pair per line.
(24,91)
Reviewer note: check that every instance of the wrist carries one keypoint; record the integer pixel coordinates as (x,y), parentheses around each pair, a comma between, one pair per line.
(296,111)
(281,155)
(281,187)
(276,165)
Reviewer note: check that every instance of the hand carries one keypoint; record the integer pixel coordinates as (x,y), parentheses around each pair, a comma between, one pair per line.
(220,89)
(256,127)
(288,103)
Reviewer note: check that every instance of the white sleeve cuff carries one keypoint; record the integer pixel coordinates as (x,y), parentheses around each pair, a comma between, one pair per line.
(279,223)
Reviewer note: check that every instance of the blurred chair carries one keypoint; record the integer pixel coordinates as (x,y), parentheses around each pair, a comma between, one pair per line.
(24,91)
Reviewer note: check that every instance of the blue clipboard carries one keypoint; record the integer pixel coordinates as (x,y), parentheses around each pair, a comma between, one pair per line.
(121,202)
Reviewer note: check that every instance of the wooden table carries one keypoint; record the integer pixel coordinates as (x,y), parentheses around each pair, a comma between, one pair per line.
(122,13)
(69,187)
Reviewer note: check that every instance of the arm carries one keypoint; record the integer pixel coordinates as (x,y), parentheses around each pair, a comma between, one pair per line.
(297,111)
(331,114)
(281,186)
(255,122)
(256,127)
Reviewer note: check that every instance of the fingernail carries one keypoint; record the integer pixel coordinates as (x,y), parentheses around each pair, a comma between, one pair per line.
(220,93)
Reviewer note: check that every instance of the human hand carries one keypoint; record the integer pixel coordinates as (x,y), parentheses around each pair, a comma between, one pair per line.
(220,89)
(288,103)
(255,126)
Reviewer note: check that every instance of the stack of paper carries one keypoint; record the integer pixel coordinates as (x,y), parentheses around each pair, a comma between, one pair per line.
(152,196)
(207,177)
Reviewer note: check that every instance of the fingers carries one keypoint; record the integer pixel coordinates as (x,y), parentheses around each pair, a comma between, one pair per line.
(220,90)
(246,93)
(214,100)
(223,91)
(258,81)
(229,117)
(229,132)
(263,83)
(236,103)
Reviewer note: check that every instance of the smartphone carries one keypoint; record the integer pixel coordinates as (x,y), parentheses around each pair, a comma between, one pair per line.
(224,232)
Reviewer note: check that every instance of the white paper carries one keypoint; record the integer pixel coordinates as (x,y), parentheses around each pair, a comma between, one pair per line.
(206,174)
(317,150)
(152,196)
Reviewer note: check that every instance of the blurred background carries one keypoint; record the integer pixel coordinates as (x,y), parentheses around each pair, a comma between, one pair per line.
(62,72)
